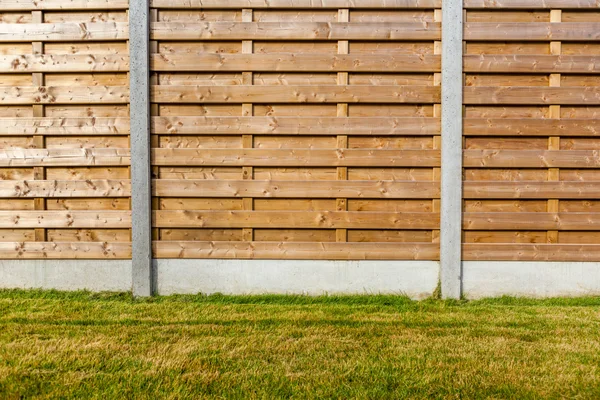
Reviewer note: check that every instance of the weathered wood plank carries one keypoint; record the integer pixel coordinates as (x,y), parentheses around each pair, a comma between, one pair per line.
(27,5)
(295,94)
(64,63)
(296,4)
(531,252)
(49,126)
(16,95)
(529,4)
(531,127)
(294,189)
(532,95)
(295,62)
(65,219)
(65,188)
(534,221)
(531,64)
(532,158)
(297,219)
(65,250)
(64,32)
(295,31)
(296,157)
(297,250)
(364,126)
(532,31)
(531,190)
(64,157)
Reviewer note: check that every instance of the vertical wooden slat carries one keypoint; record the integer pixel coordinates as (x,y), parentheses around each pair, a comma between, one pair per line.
(154,111)
(341,235)
(39,173)
(247,111)
(554,141)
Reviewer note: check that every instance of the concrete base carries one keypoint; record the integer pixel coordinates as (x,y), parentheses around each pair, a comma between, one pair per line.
(530,279)
(416,279)
(94,275)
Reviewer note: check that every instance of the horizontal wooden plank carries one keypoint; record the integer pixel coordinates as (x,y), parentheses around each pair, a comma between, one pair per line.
(531,64)
(295,94)
(531,252)
(295,189)
(65,188)
(531,190)
(295,157)
(17,95)
(532,95)
(296,62)
(50,126)
(533,221)
(531,127)
(65,219)
(64,157)
(297,250)
(295,31)
(530,4)
(531,158)
(532,31)
(26,5)
(64,63)
(65,250)
(296,4)
(366,126)
(296,219)
(64,32)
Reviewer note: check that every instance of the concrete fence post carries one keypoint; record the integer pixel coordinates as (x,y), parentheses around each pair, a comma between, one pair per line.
(141,194)
(451,175)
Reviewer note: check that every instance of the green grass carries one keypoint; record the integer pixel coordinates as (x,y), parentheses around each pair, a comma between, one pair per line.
(83,345)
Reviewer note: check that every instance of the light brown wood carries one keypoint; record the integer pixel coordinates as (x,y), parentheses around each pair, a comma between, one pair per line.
(299,219)
(297,250)
(296,94)
(531,252)
(299,62)
(62,32)
(48,126)
(363,126)
(531,190)
(529,4)
(532,31)
(531,221)
(531,63)
(531,127)
(295,4)
(63,63)
(294,31)
(65,250)
(532,95)
(64,157)
(64,94)
(25,5)
(65,219)
(532,158)
(306,158)
(70,188)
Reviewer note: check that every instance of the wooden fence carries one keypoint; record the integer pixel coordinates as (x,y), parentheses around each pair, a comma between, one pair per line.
(300,129)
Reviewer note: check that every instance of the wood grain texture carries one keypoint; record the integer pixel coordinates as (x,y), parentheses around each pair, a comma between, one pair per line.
(295,94)
(296,250)
(49,126)
(530,4)
(295,157)
(294,31)
(65,250)
(16,95)
(532,31)
(530,252)
(296,4)
(363,126)
(65,188)
(295,62)
(64,157)
(27,5)
(299,219)
(531,190)
(295,189)
(531,221)
(63,32)
(532,158)
(65,219)
(533,95)
(531,127)
(64,63)
(531,63)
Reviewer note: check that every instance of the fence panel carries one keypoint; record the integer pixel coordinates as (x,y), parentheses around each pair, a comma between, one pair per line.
(531,130)
(299,130)
(64,126)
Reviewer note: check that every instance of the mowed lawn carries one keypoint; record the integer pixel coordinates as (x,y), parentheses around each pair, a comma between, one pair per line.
(109,346)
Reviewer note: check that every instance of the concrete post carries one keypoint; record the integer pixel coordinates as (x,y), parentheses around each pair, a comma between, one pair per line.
(451,191)
(141,196)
